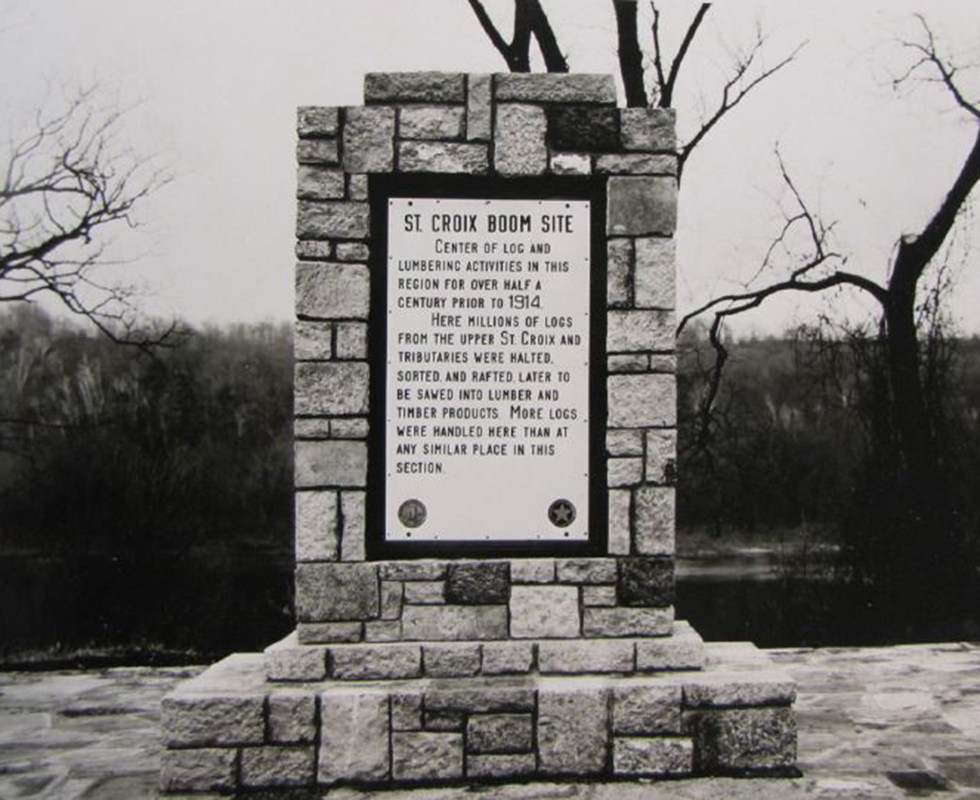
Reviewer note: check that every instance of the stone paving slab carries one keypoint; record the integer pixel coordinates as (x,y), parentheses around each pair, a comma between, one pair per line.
(874,723)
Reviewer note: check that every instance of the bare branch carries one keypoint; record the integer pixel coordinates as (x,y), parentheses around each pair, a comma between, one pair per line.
(734,92)
(630,55)
(667,88)
(66,187)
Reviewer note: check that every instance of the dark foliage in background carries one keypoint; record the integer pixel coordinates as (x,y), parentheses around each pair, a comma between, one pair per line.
(146,500)
(136,489)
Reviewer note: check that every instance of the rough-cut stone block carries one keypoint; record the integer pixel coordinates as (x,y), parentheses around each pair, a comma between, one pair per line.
(316,121)
(445,721)
(598,595)
(619,268)
(316,526)
(648,128)
(414,570)
(478,113)
(624,442)
(288,660)
(406,711)
(642,401)
(312,341)
(351,504)
(732,688)
(636,164)
(329,632)
(570,164)
(332,219)
(541,612)
(369,135)
(383,630)
(353,251)
(683,649)
(643,709)
(555,88)
(630,331)
(661,459)
(478,583)
(664,362)
(319,183)
(580,657)
(357,189)
(481,696)
(352,511)
(504,658)
(292,718)
(628,362)
(500,766)
(585,128)
(573,731)
(657,756)
(586,570)
(311,250)
(329,387)
(619,622)
(317,151)
(454,623)
(425,592)
(736,739)
(326,291)
(366,662)
(433,87)
(653,507)
(499,733)
(654,278)
(201,720)
(269,766)
(426,756)
(624,471)
(351,340)
(335,463)
(353,736)
(451,660)
(619,522)
(446,157)
(200,770)
(640,206)
(430,122)
(336,592)
(520,140)
(349,428)
(392,596)
(646,582)
(532,570)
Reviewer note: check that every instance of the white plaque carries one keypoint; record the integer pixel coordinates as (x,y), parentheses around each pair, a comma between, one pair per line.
(487,390)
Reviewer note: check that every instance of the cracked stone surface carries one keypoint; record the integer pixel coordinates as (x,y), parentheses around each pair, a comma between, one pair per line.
(871,720)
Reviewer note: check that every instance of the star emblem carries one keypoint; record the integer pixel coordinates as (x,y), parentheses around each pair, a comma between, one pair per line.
(561,513)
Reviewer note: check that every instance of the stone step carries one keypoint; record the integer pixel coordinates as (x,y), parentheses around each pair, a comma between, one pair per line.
(289,660)
(230,729)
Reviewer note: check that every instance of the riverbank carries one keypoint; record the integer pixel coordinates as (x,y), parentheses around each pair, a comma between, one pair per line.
(874,723)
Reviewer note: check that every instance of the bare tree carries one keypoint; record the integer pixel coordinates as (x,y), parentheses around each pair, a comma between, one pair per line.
(529,20)
(818,269)
(65,188)
(747,71)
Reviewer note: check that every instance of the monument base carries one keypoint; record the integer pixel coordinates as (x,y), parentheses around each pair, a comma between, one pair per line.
(576,709)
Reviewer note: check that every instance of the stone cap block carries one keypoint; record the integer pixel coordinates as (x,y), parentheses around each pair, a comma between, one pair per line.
(546,87)
(441,87)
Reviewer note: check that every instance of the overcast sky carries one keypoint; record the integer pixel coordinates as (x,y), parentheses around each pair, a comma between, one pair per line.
(211,88)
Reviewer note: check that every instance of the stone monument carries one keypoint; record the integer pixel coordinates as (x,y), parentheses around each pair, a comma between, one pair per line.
(485,441)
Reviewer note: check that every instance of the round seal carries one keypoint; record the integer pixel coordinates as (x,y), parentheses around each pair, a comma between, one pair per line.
(412,513)
(561,513)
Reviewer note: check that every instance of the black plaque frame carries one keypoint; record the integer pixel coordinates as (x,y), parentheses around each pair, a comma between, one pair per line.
(381,189)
